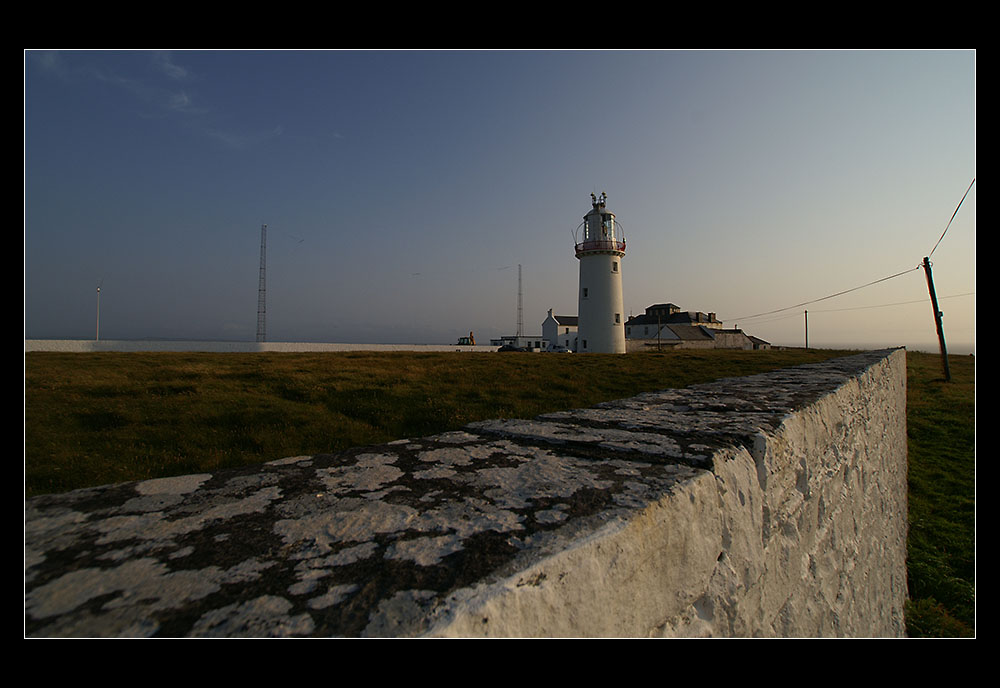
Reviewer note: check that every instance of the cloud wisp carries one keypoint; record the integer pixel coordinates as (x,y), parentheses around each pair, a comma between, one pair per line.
(164,86)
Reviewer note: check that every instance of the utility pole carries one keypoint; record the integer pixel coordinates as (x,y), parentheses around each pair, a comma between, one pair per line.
(262,288)
(97,335)
(807,328)
(937,319)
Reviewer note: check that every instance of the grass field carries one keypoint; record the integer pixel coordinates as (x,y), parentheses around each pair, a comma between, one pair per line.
(92,419)
(99,418)
(942,497)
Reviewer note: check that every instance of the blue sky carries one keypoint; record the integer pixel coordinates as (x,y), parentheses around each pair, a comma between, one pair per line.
(402,189)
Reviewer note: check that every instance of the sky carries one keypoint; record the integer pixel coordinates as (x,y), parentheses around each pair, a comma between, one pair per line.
(401,191)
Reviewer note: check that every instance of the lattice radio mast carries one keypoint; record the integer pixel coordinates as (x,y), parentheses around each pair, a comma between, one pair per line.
(520,310)
(262,288)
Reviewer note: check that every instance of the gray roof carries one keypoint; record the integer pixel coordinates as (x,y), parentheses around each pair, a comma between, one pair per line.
(675,332)
(690,332)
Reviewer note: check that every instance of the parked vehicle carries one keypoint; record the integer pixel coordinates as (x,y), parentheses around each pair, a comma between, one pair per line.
(559,349)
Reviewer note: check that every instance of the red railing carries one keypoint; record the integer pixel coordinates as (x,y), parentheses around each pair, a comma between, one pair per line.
(600,245)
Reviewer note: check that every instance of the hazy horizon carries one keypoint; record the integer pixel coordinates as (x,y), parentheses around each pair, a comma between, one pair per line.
(402,189)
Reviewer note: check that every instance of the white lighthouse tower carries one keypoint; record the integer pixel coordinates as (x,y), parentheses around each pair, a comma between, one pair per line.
(600,250)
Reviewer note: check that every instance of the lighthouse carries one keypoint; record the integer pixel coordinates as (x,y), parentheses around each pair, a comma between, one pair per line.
(600,249)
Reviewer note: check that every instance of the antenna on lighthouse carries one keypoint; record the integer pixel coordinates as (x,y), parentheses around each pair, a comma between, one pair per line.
(262,288)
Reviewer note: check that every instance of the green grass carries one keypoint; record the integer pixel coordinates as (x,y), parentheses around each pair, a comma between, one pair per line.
(942,474)
(100,418)
(93,419)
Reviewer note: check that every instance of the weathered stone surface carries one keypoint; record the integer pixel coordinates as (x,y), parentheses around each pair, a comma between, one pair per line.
(767,505)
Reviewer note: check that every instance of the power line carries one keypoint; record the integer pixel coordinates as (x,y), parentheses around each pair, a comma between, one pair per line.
(770,320)
(824,298)
(952,217)
(847,291)
(788,316)
(898,303)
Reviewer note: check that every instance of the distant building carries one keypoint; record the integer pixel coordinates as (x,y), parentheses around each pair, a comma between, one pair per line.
(666,326)
(531,342)
(560,330)
(640,326)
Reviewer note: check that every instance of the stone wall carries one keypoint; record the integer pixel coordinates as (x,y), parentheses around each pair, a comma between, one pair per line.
(90,345)
(771,505)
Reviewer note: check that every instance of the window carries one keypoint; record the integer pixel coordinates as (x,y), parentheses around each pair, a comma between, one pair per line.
(584,343)
(567,330)
(614,266)
(618,318)
(585,292)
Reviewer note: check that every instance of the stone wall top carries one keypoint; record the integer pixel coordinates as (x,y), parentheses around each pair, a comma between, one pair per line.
(92,346)
(384,540)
